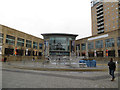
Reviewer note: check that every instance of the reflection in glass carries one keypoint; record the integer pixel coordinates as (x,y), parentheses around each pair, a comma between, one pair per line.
(59,43)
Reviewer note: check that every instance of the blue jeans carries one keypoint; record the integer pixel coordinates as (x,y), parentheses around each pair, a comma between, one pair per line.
(111,72)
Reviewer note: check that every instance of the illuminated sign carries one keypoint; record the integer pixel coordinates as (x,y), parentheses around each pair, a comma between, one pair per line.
(98,37)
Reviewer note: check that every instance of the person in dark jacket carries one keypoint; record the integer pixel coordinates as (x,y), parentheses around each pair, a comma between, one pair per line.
(5,59)
(112,67)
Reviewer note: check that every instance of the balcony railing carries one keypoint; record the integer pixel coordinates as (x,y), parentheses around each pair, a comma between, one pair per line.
(100,20)
(100,13)
(100,5)
(99,17)
(100,23)
(100,9)
(101,31)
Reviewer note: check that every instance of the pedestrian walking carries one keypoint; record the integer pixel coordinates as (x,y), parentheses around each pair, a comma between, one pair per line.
(112,67)
(5,59)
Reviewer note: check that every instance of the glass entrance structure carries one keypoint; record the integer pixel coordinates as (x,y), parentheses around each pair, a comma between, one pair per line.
(58,44)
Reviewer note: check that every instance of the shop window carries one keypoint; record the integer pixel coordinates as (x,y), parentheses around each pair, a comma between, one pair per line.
(91,54)
(33,53)
(118,53)
(111,53)
(36,53)
(28,53)
(83,54)
(9,51)
(99,53)
(40,53)
(19,52)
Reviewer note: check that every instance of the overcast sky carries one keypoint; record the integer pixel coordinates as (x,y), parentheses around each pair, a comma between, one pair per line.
(47,16)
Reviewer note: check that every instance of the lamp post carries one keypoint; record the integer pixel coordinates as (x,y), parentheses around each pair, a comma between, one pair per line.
(87,49)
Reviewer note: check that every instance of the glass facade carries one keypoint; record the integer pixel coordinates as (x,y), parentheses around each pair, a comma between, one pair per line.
(83,46)
(59,44)
(28,43)
(10,40)
(90,45)
(99,44)
(1,38)
(20,42)
(35,45)
(109,42)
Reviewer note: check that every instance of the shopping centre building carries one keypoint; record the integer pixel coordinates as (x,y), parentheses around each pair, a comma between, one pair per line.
(104,42)
(104,45)
(59,44)
(17,45)
(105,39)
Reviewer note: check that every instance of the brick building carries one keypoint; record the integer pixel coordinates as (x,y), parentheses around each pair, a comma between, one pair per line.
(105,39)
(104,42)
(104,45)
(105,16)
(17,45)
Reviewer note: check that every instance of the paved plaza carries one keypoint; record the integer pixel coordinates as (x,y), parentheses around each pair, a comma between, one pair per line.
(14,78)
(25,78)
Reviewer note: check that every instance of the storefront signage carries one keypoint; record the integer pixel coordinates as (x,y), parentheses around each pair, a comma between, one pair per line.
(98,37)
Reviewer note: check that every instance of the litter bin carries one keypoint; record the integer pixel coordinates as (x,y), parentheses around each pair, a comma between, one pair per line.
(88,63)
(92,63)
(81,61)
